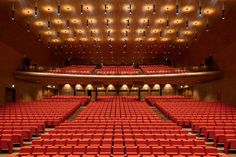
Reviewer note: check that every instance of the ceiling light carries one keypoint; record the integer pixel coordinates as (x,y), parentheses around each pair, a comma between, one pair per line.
(188,8)
(39,23)
(27,11)
(209,11)
(48,8)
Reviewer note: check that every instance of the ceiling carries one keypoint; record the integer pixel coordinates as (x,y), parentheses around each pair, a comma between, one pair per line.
(116,31)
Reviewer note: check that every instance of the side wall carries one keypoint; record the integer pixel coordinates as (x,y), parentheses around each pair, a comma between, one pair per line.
(15,42)
(219,42)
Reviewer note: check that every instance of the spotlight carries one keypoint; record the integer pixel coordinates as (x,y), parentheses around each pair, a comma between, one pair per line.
(186,44)
(107,22)
(49,24)
(81,9)
(154,9)
(28,27)
(105,9)
(207,26)
(195,36)
(177,7)
(167,23)
(127,22)
(49,44)
(130,9)
(13,13)
(160,34)
(58,7)
(68,23)
(39,37)
(200,9)
(36,9)
(223,11)
(187,24)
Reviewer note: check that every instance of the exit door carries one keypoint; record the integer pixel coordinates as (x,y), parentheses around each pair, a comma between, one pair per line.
(10,95)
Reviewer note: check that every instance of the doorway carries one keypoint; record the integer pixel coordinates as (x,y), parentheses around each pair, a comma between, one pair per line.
(10,95)
(89,92)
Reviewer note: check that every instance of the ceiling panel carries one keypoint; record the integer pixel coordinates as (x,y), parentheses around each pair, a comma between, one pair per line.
(116,31)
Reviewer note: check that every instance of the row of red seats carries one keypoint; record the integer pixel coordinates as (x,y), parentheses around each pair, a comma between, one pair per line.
(117,98)
(75,69)
(119,150)
(124,132)
(98,155)
(117,70)
(160,69)
(118,142)
(207,119)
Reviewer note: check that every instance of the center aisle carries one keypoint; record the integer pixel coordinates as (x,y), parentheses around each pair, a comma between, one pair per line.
(118,126)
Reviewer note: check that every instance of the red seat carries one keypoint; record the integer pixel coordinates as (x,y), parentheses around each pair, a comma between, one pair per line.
(91,150)
(211,151)
(145,150)
(25,151)
(198,151)
(131,150)
(52,150)
(171,150)
(118,150)
(79,150)
(105,150)
(66,150)
(38,150)
(185,150)
(158,150)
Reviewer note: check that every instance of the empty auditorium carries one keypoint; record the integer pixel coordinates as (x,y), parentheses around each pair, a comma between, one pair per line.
(118,78)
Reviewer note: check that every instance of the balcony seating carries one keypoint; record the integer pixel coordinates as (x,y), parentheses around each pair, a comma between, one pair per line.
(117,70)
(75,69)
(160,69)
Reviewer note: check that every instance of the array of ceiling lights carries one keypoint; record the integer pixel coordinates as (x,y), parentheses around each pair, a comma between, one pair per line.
(69,22)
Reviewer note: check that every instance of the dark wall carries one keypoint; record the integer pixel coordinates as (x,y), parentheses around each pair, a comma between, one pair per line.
(219,42)
(15,42)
